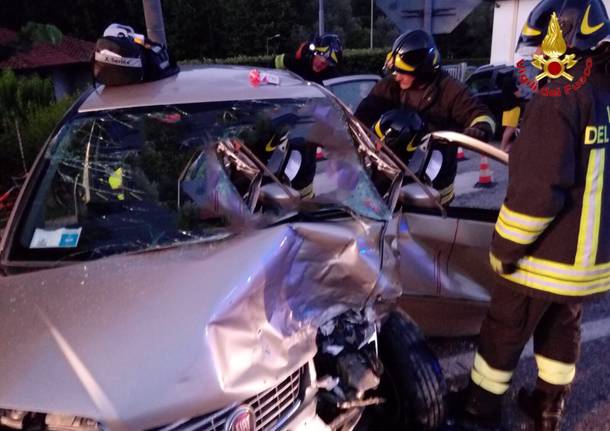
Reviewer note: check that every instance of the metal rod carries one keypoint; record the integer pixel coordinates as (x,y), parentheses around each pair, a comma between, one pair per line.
(153,14)
(428,9)
(321,17)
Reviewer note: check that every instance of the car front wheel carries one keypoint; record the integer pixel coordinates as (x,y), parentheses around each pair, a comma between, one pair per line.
(413,383)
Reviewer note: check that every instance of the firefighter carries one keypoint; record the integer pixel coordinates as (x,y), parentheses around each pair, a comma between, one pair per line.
(315,60)
(511,111)
(551,246)
(416,82)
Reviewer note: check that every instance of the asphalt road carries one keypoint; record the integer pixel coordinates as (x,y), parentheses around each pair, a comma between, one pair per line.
(589,403)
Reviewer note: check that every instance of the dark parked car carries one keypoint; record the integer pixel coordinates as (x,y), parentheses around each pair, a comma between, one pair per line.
(486,83)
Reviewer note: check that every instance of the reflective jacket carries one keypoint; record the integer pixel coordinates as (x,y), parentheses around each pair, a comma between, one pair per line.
(301,63)
(552,236)
(443,104)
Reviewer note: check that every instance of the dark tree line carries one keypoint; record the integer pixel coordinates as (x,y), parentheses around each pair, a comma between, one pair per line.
(224,28)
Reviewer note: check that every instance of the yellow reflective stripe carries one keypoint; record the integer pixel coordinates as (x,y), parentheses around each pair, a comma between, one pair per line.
(564,272)
(307,192)
(333,55)
(378,129)
(488,385)
(515,234)
(554,284)
(585,27)
(511,118)
(399,63)
(484,119)
(489,378)
(523,221)
(279,62)
(447,194)
(116,179)
(270,147)
(590,219)
(529,31)
(520,228)
(322,48)
(555,372)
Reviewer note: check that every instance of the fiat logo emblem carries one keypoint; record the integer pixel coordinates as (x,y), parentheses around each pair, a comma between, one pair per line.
(242,419)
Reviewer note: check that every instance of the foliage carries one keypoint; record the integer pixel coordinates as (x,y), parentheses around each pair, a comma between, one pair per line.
(30,102)
(37,33)
(356,61)
(226,28)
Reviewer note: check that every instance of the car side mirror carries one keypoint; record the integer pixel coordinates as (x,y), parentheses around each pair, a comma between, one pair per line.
(414,195)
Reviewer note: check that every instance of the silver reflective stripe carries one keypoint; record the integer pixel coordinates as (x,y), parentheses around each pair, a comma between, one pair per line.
(537,224)
(569,272)
(588,236)
(558,286)
(515,235)
(109,57)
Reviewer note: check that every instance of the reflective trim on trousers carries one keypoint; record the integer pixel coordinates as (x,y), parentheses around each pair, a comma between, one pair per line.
(489,378)
(555,372)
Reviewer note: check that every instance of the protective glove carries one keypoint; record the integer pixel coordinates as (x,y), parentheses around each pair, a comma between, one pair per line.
(503,267)
(481,131)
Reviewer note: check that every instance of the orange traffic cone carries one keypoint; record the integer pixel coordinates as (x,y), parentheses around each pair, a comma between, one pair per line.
(485,175)
(320,155)
(460,154)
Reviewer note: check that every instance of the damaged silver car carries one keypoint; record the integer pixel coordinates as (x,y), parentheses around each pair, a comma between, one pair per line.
(180,258)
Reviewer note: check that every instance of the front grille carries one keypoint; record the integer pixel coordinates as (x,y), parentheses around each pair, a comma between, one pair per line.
(270,407)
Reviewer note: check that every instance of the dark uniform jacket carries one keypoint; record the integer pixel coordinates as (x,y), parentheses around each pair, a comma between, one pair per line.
(443,104)
(552,236)
(300,63)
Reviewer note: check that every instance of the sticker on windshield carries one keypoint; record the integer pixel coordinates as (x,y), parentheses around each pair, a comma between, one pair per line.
(58,238)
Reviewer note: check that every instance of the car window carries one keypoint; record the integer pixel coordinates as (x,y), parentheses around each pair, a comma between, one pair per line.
(132,179)
(480,82)
(351,93)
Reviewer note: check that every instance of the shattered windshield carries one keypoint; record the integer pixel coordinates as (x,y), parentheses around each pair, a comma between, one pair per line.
(135,179)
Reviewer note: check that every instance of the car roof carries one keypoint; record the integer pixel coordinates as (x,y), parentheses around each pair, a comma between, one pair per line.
(200,84)
(350,78)
(498,67)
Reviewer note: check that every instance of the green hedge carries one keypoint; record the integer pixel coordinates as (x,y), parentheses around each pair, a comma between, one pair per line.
(355,60)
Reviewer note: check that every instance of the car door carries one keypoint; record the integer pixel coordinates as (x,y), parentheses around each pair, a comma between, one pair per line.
(444,261)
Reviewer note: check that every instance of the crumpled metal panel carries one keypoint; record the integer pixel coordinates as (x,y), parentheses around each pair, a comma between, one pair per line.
(143,340)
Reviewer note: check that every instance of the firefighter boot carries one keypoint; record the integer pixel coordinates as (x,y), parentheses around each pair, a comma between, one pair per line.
(545,408)
(476,409)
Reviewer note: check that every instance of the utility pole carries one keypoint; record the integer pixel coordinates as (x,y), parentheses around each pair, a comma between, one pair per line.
(153,14)
(372,9)
(321,17)
(428,10)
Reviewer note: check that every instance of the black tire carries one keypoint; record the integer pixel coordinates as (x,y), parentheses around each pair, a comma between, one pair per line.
(413,382)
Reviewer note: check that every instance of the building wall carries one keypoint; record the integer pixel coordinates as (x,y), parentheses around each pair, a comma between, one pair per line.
(509,18)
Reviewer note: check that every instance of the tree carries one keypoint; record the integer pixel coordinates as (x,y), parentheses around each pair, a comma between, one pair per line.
(19,98)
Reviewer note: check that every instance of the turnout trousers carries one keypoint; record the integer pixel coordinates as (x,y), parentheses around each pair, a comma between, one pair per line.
(512,319)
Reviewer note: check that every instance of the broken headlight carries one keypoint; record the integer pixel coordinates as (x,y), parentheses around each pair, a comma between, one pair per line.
(21,420)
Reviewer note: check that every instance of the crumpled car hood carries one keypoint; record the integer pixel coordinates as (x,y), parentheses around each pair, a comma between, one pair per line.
(143,340)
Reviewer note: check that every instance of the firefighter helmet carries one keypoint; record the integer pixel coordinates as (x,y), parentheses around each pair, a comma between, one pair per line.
(328,46)
(584,24)
(415,53)
(401,130)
